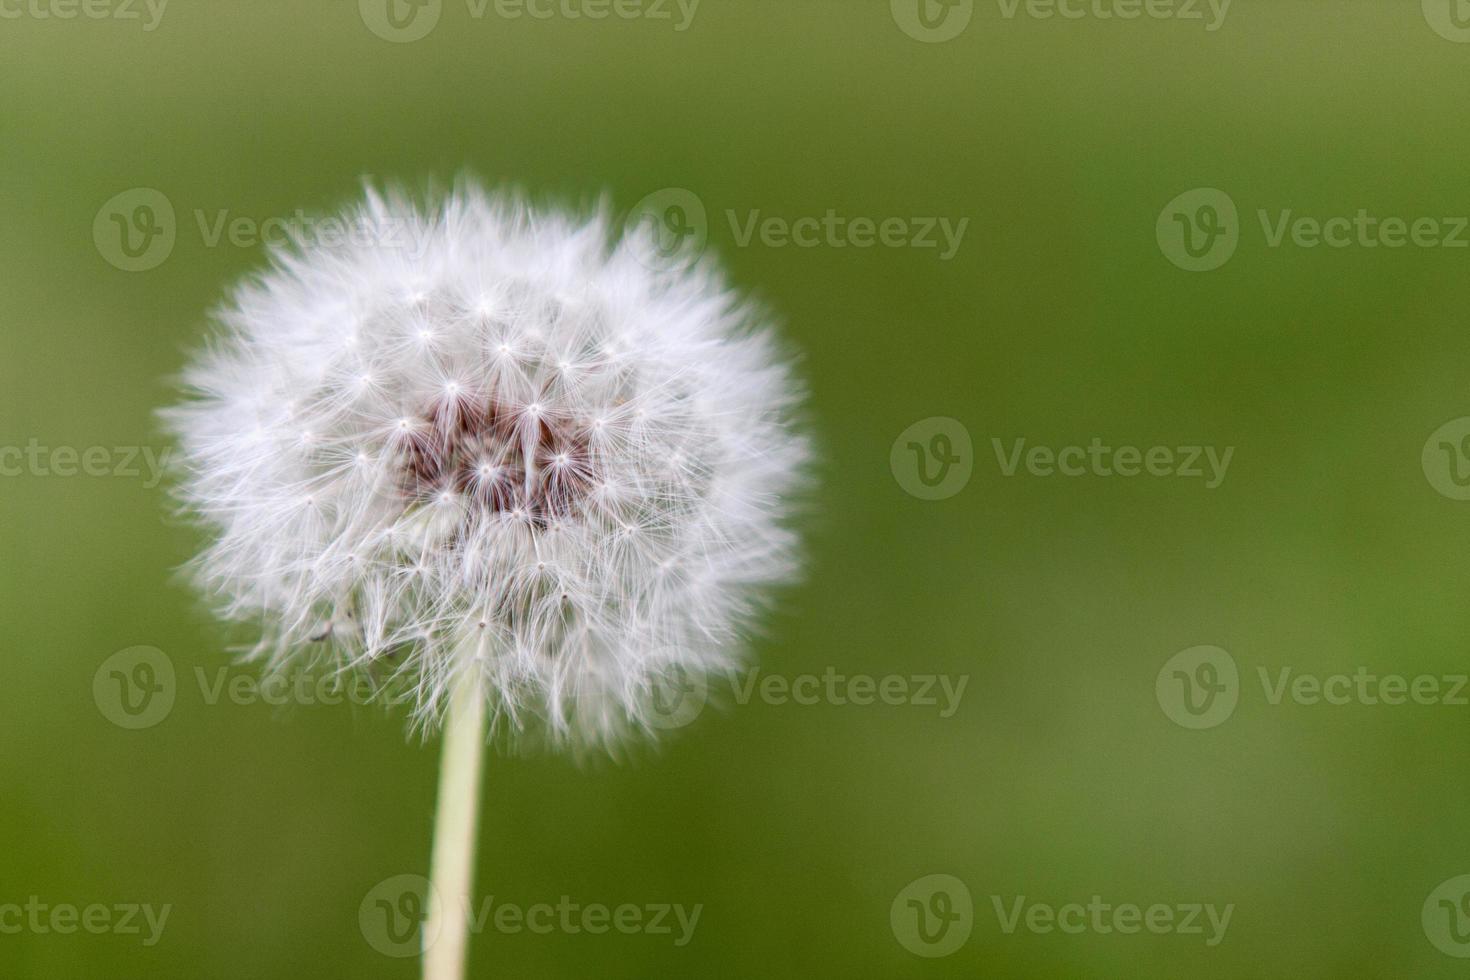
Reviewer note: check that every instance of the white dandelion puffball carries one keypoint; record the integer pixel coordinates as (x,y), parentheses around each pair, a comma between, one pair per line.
(475,435)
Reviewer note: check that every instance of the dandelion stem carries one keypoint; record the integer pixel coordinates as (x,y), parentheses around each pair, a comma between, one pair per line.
(456,827)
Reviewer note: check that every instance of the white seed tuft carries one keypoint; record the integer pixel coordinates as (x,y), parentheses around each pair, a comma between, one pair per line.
(489,437)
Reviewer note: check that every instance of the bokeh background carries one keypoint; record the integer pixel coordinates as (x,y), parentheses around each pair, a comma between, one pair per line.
(1060,319)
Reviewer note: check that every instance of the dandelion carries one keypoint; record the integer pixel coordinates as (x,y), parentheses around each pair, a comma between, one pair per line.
(493,455)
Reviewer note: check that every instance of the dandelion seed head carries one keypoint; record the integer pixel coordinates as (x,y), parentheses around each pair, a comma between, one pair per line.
(536,458)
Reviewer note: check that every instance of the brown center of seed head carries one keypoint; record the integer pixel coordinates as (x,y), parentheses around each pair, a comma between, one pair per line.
(520,460)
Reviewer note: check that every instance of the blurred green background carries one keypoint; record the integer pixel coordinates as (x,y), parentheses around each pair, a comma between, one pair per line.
(1059,320)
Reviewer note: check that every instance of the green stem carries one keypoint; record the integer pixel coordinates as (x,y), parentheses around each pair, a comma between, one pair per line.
(456,829)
